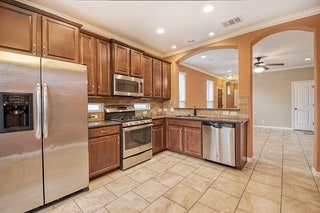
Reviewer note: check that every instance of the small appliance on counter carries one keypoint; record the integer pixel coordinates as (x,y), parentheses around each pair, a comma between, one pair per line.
(95,112)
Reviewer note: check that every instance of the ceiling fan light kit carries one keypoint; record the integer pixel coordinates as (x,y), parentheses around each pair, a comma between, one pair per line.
(258,69)
(261,66)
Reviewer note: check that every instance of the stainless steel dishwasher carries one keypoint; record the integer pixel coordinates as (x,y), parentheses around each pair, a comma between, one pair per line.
(219,142)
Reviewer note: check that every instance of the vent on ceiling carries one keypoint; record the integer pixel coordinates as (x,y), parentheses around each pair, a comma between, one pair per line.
(232,21)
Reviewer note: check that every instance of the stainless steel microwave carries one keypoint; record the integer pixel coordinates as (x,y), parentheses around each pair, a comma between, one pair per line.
(127,86)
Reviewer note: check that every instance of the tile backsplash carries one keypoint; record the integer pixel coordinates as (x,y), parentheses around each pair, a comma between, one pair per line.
(159,107)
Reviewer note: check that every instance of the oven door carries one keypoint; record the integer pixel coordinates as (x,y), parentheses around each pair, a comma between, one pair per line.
(136,139)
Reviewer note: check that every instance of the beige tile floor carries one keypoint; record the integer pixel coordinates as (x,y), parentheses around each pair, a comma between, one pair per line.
(278,180)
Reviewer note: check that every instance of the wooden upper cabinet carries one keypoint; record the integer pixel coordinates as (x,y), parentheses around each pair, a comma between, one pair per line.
(120,59)
(156,78)
(88,57)
(136,63)
(18,29)
(95,53)
(147,76)
(60,40)
(103,67)
(166,80)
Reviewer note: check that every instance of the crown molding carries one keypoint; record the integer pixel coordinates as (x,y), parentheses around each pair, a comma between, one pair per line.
(249,29)
(94,29)
(202,71)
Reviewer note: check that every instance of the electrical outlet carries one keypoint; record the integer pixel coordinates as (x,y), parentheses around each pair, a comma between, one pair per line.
(262,121)
(225,113)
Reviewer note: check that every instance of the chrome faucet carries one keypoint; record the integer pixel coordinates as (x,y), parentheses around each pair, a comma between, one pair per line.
(194,111)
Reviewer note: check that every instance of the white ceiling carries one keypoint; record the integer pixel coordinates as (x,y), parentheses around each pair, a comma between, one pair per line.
(288,47)
(136,22)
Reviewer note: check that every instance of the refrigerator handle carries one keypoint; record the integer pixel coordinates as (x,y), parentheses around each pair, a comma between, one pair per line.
(45,110)
(38,111)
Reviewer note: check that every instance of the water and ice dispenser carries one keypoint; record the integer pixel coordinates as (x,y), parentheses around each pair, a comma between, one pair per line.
(15,112)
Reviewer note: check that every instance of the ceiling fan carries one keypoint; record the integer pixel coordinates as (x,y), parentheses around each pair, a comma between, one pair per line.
(260,66)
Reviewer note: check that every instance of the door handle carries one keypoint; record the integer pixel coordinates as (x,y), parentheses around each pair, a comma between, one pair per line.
(45,111)
(295,108)
(38,111)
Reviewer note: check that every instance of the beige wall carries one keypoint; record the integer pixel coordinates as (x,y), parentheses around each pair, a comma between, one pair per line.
(244,44)
(272,96)
(196,86)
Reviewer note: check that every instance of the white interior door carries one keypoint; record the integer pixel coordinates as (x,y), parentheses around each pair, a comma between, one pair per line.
(303,105)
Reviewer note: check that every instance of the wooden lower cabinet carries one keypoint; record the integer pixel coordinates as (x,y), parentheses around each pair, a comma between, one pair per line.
(185,136)
(104,150)
(175,137)
(192,141)
(158,136)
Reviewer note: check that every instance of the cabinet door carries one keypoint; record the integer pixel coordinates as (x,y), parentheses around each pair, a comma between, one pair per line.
(157,139)
(136,63)
(147,76)
(60,40)
(103,67)
(104,154)
(175,142)
(166,82)
(18,29)
(192,141)
(120,59)
(156,78)
(88,57)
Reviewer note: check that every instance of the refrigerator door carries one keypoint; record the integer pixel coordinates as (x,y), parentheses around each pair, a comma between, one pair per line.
(21,185)
(65,130)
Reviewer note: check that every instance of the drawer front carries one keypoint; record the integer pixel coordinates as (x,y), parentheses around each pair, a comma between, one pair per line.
(102,131)
(157,122)
(184,122)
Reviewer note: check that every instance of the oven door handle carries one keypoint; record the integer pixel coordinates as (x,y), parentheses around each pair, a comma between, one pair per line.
(126,129)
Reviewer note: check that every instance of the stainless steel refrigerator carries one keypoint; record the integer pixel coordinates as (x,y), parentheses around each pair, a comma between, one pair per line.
(43,131)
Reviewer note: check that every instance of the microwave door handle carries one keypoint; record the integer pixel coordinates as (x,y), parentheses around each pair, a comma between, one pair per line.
(140,87)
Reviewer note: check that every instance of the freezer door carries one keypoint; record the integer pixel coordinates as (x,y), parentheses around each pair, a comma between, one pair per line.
(21,186)
(65,128)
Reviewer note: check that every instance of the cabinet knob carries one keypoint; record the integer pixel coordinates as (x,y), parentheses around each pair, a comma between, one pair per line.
(34,48)
(44,50)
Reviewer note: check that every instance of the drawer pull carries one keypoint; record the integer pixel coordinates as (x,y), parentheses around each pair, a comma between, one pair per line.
(104,131)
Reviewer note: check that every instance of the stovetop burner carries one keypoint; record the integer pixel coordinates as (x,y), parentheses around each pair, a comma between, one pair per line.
(131,118)
(125,115)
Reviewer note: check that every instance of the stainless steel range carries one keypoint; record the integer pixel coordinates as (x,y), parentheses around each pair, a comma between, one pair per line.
(136,135)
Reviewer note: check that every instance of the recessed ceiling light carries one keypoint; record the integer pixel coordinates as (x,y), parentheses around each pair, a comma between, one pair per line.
(173,46)
(203,56)
(207,9)
(307,59)
(211,34)
(160,30)
(191,40)
(228,70)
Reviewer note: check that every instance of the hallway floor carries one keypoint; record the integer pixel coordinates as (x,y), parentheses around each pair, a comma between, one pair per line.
(278,180)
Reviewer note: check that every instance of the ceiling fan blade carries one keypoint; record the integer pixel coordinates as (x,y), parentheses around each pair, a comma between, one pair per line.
(275,64)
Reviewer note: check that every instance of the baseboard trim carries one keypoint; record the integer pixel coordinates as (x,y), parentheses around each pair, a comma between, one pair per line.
(315,172)
(273,127)
(249,160)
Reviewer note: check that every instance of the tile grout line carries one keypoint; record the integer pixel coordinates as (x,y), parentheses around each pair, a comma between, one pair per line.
(313,177)
(264,144)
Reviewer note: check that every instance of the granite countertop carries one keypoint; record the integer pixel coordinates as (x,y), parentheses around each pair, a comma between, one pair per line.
(102,123)
(203,118)
(186,117)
